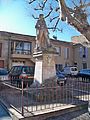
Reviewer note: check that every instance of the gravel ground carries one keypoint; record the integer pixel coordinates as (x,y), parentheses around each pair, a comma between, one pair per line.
(76,115)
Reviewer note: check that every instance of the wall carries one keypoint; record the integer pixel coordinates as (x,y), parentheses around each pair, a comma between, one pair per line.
(79,59)
(7,37)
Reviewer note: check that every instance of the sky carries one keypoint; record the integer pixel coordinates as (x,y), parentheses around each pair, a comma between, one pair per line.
(16,17)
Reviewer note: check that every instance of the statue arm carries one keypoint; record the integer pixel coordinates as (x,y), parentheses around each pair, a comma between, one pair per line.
(37,26)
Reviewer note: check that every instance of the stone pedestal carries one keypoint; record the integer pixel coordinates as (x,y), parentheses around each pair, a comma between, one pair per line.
(44,66)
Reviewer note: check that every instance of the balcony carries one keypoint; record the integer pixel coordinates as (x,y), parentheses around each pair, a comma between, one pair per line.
(18,53)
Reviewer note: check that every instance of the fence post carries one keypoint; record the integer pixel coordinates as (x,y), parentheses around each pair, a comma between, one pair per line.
(22,100)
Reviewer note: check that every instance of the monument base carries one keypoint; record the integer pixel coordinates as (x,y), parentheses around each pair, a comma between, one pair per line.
(44,66)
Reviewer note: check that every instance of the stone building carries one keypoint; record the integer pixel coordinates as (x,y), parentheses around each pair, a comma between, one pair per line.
(81,56)
(17,49)
(81,52)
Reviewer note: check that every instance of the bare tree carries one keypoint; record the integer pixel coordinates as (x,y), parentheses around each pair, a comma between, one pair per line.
(74,12)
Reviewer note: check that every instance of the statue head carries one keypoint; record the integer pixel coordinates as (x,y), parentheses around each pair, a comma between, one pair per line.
(41,16)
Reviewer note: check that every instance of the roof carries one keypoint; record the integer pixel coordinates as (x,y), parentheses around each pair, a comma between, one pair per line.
(28,37)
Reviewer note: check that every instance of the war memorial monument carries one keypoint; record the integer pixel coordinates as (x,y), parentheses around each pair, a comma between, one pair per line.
(44,53)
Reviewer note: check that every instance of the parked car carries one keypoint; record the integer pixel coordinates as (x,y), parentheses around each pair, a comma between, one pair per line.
(70,71)
(61,79)
(19,73)
(3,74)
(85,73)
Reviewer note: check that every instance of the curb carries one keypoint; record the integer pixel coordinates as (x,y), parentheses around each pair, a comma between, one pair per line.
(46,114)
(55,113)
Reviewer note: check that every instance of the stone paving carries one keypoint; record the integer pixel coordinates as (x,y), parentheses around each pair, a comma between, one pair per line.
(76,115)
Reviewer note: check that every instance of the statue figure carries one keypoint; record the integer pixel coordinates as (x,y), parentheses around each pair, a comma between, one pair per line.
(42,34)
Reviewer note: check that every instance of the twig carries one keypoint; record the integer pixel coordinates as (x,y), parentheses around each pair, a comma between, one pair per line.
(51,19)
(51,9)
(35,17)
(31,1)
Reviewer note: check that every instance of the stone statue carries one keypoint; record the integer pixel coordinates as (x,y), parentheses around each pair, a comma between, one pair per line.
(42,34)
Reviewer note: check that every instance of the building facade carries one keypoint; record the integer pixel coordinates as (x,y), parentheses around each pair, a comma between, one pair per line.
(17,49)
(65,53)
(81,56)
(81,52)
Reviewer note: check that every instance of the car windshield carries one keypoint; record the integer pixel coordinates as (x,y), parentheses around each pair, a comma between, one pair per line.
(28,70)
(60,74)
(3,72)
(22,69)
(16,69)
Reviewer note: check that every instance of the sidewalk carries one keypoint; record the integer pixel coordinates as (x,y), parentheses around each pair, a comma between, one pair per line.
(76,115)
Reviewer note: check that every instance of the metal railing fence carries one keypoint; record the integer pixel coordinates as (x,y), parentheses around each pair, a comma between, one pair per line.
(46,96)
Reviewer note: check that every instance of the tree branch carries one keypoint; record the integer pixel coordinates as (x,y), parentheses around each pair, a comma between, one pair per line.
(85,5)
(76,17)
(56,24)
(84,28)
(31,1)
(51,19)
(35,17)
(55,28)
(48,14)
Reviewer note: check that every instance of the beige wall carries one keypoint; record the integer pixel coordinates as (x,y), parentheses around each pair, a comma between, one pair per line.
(79,59)
(60,59)
(4,54)
(5,38)
(74,51)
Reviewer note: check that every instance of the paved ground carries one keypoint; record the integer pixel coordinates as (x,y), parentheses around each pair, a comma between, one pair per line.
(4,115)
(77,115)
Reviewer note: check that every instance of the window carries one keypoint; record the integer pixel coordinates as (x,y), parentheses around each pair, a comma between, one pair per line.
(28,70)
(27,47)
(58,49)
(66,53)
(0,49)
(16,69)
(22,69)
(80,52)
(85,52)
(21,47)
